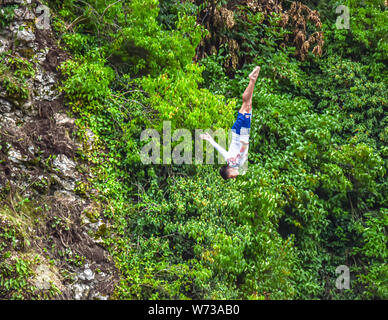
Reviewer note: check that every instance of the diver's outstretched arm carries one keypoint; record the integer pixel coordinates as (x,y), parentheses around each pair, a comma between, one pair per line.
(221,150)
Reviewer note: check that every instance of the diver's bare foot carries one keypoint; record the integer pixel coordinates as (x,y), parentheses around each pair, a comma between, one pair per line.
(254,74)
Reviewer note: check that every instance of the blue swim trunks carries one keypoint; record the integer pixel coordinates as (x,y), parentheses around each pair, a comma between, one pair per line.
(243,124)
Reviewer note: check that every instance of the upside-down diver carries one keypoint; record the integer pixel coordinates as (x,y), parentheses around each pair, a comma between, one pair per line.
(238,149)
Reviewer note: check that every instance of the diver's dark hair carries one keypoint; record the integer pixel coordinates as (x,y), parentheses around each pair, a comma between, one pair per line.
(224,172)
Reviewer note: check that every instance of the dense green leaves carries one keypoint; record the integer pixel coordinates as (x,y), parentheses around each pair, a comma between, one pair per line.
(314,196)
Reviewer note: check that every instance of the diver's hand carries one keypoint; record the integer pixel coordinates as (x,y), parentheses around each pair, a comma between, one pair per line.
(205,136)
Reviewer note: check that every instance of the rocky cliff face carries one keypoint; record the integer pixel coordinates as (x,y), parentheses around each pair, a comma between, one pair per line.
(46,223)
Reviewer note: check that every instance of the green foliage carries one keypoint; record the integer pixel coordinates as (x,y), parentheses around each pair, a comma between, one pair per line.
(14,73)
(373,249)
(183,103)
(170,10)
(89,81)
(315,194)
(14,277)
(17,258)
(367,37)
(7,14)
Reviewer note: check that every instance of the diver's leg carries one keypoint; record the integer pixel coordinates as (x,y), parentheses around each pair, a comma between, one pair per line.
(248,93)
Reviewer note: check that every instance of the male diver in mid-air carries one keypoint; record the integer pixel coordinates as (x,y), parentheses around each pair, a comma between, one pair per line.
(238,149)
